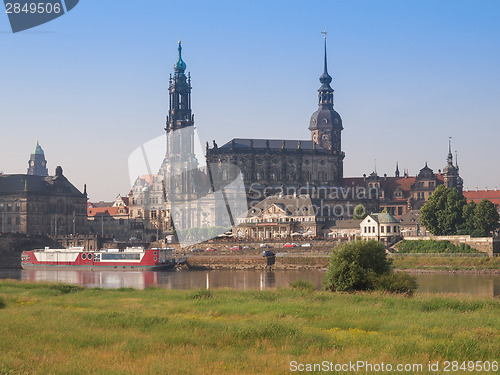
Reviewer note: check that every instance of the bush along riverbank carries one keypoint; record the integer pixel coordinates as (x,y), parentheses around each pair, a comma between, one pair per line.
(59,329)
(432,246)
(363,265)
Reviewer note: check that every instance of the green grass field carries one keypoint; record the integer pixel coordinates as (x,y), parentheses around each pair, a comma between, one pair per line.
(60,329)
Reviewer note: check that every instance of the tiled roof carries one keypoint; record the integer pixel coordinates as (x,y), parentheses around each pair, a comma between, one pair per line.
(289,144)
(100,204)
(346,224)
(478,195)
(105,211)
(16,183)
(412,217)
(300,205)
(384,218)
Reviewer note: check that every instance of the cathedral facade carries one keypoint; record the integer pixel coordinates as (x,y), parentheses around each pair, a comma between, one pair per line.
(291,163)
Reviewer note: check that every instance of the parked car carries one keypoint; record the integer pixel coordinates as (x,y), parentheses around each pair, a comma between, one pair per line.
(265,246)
(267,253)
(236,247)
(293,244)
(210,249)
(248,248)
(196,250)
(306,245)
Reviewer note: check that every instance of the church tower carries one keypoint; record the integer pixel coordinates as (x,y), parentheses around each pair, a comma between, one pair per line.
(179,114)
(180,160)
(451,175)
(37,165)
(325,124)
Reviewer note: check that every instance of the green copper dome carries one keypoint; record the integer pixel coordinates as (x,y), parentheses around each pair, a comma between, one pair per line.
(180,66)
(38,150)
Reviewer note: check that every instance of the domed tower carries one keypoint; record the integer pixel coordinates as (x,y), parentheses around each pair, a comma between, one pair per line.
(325,124)
(37,165)
(451,175)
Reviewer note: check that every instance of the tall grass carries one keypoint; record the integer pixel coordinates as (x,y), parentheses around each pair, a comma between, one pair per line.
(157,331)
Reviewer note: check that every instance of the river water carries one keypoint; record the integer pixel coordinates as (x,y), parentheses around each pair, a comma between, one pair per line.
(462,283)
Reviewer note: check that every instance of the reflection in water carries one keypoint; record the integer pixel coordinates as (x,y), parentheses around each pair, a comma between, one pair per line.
(473,284)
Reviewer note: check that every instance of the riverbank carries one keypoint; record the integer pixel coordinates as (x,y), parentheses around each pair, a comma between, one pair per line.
(158,331)
(318,261)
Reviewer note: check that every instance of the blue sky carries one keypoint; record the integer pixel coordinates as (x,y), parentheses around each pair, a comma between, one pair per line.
(92,85)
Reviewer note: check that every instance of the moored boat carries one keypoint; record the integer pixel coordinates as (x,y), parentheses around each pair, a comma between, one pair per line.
(131,258)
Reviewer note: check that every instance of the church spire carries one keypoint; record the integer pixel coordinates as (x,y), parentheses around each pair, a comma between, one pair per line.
(397,169)
(325,124)
(179,114)
(325,91)
(180,65)
(450,155)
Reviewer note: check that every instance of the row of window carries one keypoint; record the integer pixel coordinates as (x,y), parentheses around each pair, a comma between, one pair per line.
(276,176)
(9,207)
(8,221)
(383,229)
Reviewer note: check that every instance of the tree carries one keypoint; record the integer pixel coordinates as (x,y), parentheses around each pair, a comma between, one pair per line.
(443,212)
(359,212)
(485,219)
(468,217)
(353,265)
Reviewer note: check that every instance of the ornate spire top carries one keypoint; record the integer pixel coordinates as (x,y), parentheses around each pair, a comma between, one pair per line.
(450,155)
(179,66)
(397,169)
(38,149)
(325,78)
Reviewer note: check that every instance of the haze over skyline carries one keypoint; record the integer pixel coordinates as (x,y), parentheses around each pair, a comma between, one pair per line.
(93,85)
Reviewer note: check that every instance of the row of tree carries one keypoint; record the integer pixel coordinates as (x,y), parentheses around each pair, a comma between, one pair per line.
(447,212)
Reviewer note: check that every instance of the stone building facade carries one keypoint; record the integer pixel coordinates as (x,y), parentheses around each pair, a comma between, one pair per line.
(49,205)
(282,217)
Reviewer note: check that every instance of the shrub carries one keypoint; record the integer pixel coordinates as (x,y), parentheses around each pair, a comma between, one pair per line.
(400,282)
(353,265)
(202,294)
(432,246)
(66,288)
(303,285)
(2,303)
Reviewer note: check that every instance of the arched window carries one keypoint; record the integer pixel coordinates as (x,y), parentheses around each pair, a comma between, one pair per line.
(322,176)
(307,175)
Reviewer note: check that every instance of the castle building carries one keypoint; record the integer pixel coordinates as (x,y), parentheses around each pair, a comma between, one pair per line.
(399,195)
(37,165)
